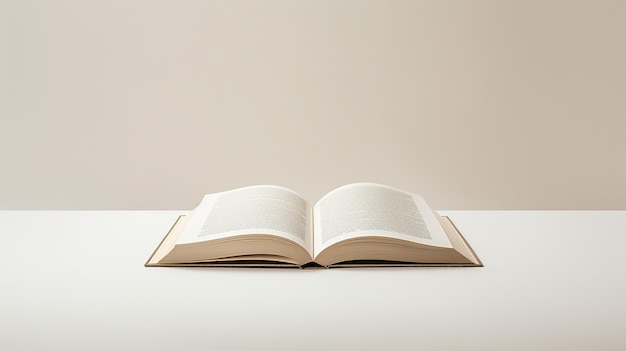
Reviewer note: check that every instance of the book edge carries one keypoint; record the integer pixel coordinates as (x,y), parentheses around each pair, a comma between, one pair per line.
(374,264)
(176,222)
(478,263)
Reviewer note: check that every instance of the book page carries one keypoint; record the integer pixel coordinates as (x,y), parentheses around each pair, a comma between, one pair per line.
(262,209)
(368,209)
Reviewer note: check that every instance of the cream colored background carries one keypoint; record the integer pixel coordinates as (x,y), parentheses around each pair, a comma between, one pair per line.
(474,104)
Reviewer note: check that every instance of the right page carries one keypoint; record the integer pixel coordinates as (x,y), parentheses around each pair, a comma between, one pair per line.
(369,209)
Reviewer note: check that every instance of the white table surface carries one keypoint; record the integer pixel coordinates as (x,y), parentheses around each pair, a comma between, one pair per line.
(76,280)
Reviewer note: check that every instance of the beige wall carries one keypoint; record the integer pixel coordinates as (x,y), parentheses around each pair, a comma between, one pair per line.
(474,104)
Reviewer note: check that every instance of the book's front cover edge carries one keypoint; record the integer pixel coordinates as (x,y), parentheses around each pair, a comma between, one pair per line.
(176,222)
(479,262)
(226,265)
(402,264)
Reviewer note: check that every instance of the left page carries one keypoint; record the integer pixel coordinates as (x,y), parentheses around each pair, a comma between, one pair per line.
(261,209)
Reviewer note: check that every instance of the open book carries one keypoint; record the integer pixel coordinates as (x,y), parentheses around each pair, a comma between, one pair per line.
(361,224)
